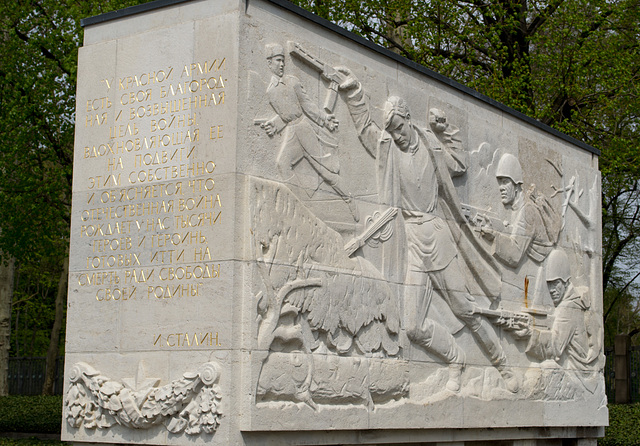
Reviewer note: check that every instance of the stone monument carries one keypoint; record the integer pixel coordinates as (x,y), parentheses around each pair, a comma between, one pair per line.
(283,234)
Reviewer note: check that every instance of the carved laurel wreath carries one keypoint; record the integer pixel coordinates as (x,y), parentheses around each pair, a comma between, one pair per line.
(190,404)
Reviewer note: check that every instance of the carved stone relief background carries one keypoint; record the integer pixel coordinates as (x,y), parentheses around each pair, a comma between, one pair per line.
(462,242)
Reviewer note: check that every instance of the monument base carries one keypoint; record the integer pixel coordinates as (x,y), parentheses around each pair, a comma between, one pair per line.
(574,436)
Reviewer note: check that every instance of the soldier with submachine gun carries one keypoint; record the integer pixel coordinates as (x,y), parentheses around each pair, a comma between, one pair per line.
(303,122)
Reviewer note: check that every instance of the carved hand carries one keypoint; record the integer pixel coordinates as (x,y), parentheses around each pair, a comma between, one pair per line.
(485,227)
(350,82)
(488,233)
(331,123)
(523,332)
(269,127)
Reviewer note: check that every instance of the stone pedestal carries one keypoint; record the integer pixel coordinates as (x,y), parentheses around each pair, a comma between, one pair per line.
(282,234)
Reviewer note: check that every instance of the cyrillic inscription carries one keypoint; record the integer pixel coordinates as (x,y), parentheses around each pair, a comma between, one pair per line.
(153,202)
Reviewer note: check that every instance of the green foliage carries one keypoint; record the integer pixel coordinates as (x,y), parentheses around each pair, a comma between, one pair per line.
(33,308)
(37,113)
(31,414)
(38,63)
(32,441)
(623,318)
(624,426)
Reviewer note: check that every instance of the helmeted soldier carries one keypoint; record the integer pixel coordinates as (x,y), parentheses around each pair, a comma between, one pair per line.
(528,234)
(567,342)
(414,173)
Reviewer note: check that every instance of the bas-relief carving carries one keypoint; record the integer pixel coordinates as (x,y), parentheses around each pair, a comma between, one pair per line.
(527,236)
(328,320)
(307,131)
(337,328)
(190,404)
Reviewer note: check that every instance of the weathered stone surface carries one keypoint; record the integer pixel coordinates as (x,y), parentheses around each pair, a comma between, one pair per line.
(281,235)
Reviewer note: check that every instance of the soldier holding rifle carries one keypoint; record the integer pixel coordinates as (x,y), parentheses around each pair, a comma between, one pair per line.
(302,122)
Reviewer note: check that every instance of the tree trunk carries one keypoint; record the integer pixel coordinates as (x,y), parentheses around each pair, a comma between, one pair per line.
(54,341)
(6,297)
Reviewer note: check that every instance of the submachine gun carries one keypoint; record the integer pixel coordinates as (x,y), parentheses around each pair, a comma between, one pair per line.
(509,320)
(326,71)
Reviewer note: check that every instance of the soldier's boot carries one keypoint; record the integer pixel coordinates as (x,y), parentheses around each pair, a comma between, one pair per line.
(454,382)
(490,343)
(439,341)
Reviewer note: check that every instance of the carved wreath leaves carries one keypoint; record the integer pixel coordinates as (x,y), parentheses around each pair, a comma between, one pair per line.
(190,404)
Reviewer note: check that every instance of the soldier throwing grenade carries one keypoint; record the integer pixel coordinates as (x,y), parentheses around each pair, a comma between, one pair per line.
(412,163)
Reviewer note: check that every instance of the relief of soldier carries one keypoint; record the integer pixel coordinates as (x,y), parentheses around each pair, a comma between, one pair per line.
(414,164)
(440,252)
(529,234)
(568,341)
(302,122)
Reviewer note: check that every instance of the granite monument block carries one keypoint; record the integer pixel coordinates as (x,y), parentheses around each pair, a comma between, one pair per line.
(283,234)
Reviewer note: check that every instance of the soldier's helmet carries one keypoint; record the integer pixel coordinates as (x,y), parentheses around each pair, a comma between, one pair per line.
(558,266)
(273,50)
(509,167)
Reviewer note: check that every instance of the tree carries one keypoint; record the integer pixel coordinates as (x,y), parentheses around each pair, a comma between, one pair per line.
(6,295)
(37,110)
(572,64)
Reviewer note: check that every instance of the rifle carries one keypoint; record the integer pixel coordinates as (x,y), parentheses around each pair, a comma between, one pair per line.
(326,71)
(377,226)
(509,320)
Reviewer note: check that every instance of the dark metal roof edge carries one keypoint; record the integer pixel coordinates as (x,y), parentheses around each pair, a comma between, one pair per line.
(362,41)
(131,10)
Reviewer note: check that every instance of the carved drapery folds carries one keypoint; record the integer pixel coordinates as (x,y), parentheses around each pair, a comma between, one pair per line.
(190,404)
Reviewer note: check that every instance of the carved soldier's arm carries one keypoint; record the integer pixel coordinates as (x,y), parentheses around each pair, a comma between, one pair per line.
(456,160)
(368,131)
(313,111)
(563,330)
(273,125)
(510,248)
(551,344)
(440,135)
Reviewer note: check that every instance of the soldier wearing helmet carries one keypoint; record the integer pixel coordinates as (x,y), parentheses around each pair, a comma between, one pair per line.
(415,168)
(509,176)
(567,342)
(558,274)
(528,234)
